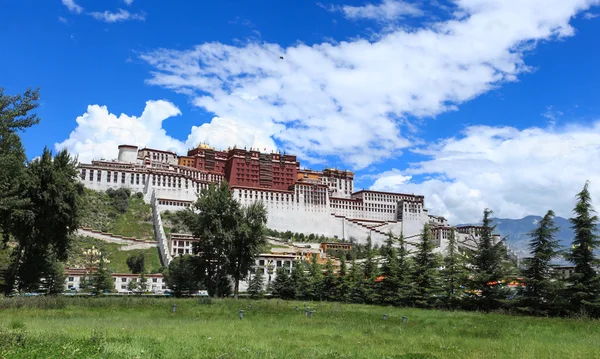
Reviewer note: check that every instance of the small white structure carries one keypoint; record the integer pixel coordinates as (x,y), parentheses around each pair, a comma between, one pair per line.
(75,277)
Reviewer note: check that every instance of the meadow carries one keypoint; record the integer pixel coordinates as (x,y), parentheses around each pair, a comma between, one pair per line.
(131,327)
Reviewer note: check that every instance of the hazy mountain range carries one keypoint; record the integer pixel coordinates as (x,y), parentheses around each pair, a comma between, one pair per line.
(517,232)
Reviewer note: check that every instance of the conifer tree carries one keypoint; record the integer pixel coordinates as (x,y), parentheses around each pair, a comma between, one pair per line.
(388,287)
(405,285)
(329,281)
(539,290)
(299,280)
(370,272)
(282,285)
(342,285)
(102,280)
(584,289)
(256,285)
(315,279)
(355,283)
(487,291)
(425,272)
(454,273)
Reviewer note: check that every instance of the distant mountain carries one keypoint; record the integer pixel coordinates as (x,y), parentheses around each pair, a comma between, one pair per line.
(517,232)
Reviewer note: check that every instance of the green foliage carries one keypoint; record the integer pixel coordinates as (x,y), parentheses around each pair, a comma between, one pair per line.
(120,198)
(454,274)
(102,280)
(43,228)
(136,263)
(283,287)
(256,286)
(329,282)
(487,269)
(182,275)
(427,289)
(315,283)
(300,280)
(540,293)
(584,291)
(389,286)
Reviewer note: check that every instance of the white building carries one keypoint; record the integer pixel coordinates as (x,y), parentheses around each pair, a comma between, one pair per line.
(75,277)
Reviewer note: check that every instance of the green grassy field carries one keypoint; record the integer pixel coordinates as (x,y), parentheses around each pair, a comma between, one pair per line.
(118,259)
(146,328)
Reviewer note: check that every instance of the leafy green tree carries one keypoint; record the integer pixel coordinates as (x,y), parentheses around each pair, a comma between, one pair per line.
(454,273)
(256,285)
(538,274)
(182,276)
(44,227)
(214,219)
(247,243)
(136,263)
(426,279)
(54,277)
(15,116)
(488,269)
(584,289)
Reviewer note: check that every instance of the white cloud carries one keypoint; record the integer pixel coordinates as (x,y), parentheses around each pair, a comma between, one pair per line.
(72,6)
(351,99)
(63,20)
(513,172)
(128,2)
(589,15)
(121,15)
(99,132)
(386,10)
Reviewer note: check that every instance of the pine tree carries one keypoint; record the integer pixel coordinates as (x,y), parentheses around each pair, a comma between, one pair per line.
(343,283)
(102,280)
(387,289)
(487,268)
(405,284)
(355,283)
(315,279)
(329,281)
(584,291)
(256,285)
(426,289)
(453,274)
(539,290)
(370,272)
(300,280)
(282,285)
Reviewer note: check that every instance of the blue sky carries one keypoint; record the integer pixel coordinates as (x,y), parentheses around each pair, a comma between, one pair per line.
(473,103)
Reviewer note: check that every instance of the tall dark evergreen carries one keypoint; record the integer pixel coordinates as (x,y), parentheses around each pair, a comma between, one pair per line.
(329,281)
(454,273)
(300,280)
(282,286)
(405,284)
(426,281)
(584,289)
(388,286)
(315,279)
(256,285)
(343,282)
(540,290)
(485,286)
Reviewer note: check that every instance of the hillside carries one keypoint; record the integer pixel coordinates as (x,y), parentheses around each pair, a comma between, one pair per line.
(130,217)
(117,258)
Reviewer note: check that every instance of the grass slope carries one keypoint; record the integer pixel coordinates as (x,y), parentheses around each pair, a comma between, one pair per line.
(146,328)
(118,259)
(100,213)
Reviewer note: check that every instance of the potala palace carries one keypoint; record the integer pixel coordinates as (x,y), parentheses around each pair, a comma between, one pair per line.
(300,200)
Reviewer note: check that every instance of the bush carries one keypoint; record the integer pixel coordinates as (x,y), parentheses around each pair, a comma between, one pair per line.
(139,195)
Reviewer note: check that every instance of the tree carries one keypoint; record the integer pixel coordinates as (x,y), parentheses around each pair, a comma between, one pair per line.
(182,277)
(15,115)
(54,277)
(136,263)
(405,285)
(425,272)
(315,278)
(214,219)
(387,288)
(256,285)
(343,284)
(282,285)
(584,289)
(370,273)
(44,227)
(299,280)
(453,274)
(247,243)
(543,247)
(487,268)
(329,281)
(102,280)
